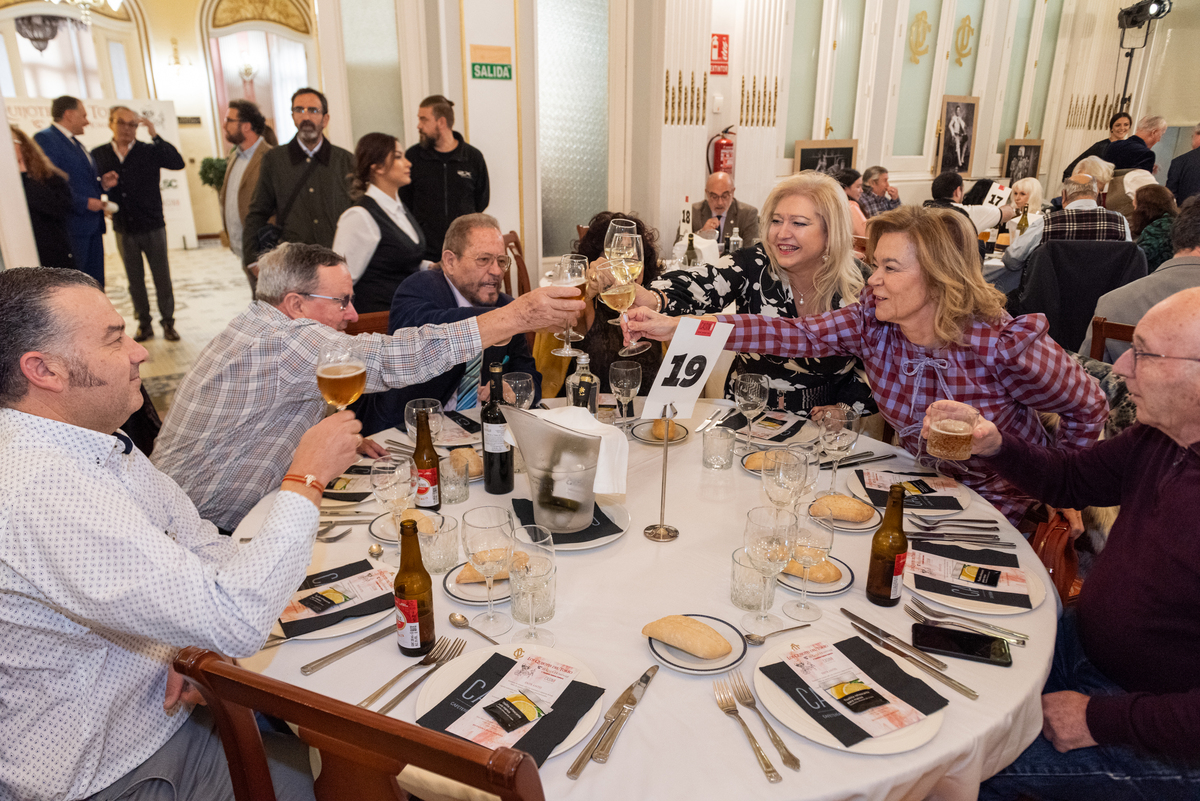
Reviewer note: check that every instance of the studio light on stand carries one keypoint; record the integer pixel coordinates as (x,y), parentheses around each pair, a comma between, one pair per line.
(1136,16)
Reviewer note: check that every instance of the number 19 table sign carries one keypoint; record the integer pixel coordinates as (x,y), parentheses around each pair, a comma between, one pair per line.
(689,361)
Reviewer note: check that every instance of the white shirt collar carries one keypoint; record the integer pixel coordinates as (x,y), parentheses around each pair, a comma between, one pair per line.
(65,132)
(462,302)
(1083,203)
(388,204)
(312,152)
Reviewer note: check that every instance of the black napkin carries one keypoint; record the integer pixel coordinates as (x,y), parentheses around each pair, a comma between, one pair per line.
(353,497)
(737,421)
(881,670)
(369,607)
(976,592)
(935,502)
(545,734)
(982,557)
(601,525)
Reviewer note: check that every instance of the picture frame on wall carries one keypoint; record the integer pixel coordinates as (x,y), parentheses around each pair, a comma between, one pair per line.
(956,146)
(828,156)
(1022,159)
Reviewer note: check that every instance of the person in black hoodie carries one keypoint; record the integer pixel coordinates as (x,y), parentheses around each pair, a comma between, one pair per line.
(49,199)
(449,177)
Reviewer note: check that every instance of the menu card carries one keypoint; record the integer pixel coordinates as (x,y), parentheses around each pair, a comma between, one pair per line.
(331,596)
(921,490)
(985,575)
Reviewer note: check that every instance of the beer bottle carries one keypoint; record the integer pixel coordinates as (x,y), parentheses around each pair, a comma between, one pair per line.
(690,258)
(414,595)
(426,459)
(889,549)
(497,454)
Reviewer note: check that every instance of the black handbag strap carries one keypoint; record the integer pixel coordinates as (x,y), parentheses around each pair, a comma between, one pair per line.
(287,208)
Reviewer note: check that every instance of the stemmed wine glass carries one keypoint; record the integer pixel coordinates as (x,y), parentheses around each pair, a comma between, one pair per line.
(810,454)
(394,481)
(521,386)
(838,436)
(571,271)
(750,391)
(769,539)
(783,474)
(341,373)
(625,379)
(532,579)
(814,538)
(625,252)
(614,242)
(487,533)
(434,407)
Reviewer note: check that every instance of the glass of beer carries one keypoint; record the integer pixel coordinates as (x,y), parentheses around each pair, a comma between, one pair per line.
(950,427)
(571,271)
(341,374)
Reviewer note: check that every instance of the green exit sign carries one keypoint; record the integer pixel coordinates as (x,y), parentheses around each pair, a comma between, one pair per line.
(496,72)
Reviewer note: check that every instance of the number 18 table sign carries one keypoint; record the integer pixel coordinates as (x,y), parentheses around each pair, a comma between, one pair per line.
(686,367)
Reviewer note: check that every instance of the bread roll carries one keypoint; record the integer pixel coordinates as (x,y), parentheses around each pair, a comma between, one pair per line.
(823,572)
(467,457)
(660,425)
(469,575)
(755,461)
(843,507)
(688,634)
(424,522)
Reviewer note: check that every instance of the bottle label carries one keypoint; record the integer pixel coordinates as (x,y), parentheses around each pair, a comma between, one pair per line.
(427,487)
(408,630)
(898,574)
(493,438)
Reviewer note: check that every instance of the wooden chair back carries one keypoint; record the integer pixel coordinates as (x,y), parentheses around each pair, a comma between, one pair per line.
(1103,330)
(581,230)
(361,751)
(512,243)
(369,323)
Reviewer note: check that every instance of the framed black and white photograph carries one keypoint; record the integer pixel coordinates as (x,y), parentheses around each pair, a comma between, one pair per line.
(829,156)
(1022,158)
(956,148)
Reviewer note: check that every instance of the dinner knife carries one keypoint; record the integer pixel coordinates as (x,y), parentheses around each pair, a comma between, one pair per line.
(894,640)
(708,421)
(937,674)
(325,661)
(610,716)
(628,702)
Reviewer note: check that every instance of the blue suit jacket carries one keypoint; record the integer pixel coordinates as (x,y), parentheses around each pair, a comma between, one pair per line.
(81,176)
(425,298)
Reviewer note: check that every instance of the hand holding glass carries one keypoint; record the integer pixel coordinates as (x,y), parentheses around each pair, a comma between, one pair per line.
(341,374)
(571,271)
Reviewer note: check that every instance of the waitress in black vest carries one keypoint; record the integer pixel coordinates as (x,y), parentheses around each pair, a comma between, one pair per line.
(379,238)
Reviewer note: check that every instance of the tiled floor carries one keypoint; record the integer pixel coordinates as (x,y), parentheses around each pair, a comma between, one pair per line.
(210,290)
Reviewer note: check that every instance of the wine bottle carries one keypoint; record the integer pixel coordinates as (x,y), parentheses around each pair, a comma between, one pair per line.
(582,387)
(735,242)
(690,258)
(497,454)
(426,459)
(889,549)
(1023,223)
(414,595)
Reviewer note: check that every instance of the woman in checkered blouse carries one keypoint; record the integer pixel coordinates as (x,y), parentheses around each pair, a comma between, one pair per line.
(928,327)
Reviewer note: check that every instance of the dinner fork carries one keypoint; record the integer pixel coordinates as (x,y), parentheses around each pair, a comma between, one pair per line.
(729,707)
(746,698)
(948,616)
(439,648)
(935,525)
(456,648)
(917,616)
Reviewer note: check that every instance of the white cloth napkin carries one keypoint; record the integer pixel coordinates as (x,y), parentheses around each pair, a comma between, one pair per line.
(613,463)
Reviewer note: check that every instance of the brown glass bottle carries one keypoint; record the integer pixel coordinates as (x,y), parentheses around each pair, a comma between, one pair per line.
(426,459)
(414,595)
(889,549)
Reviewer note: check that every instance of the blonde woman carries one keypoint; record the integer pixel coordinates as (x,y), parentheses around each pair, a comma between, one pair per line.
(928,327)
(804,266)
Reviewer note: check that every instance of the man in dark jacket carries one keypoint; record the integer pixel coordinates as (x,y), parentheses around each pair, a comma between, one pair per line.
(1183,178)
(449,177)
(1134,153)
(139,224)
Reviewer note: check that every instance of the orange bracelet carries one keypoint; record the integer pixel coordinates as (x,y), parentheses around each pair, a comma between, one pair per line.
(307,480)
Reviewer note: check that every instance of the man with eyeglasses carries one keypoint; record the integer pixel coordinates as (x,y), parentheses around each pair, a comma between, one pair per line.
(139,224)
(302,184)
(468,284)
(244,127)
(719,213)
(1121,708)
(238,415)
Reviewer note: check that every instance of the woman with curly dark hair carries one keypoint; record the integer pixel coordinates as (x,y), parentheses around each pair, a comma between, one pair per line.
(1154,211)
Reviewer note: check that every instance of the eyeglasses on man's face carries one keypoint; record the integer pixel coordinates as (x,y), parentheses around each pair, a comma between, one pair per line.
(343,301)
(486,261)
(1141,354)
(725,198)
(314,110)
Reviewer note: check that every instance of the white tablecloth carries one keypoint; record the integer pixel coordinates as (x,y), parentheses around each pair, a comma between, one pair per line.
(678,744)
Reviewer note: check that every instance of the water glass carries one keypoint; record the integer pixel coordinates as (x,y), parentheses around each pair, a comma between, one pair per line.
(434,407)
(533,582)
(394,481)
(746,584)
(439,549)
(521,386)
(718,448)
(838,436)
(810,454)
(453,478)
(750,391)
(625,379)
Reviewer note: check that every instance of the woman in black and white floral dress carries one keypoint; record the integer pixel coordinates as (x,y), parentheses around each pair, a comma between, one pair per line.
(804,266)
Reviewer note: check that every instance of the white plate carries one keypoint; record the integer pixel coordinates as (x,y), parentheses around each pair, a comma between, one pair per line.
(1037,594)
(684,662)
(858,528)
(474,594)
(962,493)
(821,590)
(616,512)
(789,713)
(641,432)
(456,671)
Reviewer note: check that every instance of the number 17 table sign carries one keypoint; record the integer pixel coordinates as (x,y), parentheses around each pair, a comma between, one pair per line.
(689,361)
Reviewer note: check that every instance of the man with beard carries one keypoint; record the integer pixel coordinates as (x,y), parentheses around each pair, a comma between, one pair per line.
(468,285)
(302,184)
(244,126)
(449,177)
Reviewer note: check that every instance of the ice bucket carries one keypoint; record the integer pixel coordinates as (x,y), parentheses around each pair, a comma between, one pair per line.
(561,467)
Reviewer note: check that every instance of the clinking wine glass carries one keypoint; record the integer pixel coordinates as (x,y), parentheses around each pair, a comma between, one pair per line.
(625,379)
(750,392)
(626,256)
(614,238)
(533,579)
(487,533)
(769,541)
(838,436)
(341,374)
(814,538)
(571,271)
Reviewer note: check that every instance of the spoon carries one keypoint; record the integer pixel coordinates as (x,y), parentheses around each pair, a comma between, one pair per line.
(375,551)
(460,622)
(759,639)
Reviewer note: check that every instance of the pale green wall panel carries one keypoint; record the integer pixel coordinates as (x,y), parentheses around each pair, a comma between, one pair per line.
(912,113)
(806,39)
(845,76)
(1016,74)
(1045,68)
(961,80)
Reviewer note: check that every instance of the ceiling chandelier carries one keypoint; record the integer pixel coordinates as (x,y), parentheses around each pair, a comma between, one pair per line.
(85,7)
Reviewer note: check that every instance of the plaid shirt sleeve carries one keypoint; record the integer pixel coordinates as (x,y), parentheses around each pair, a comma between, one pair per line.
(873,204)
(827,334)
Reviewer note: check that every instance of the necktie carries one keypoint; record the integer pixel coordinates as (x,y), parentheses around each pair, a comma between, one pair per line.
(468,386)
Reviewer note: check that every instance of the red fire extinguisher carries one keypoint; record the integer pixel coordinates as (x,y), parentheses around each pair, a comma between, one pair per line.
(722,152)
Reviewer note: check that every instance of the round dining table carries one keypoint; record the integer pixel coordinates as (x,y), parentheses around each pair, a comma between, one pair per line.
(677,742)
